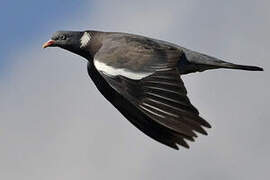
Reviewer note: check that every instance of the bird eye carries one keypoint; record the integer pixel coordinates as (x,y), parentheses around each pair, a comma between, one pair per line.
(63,37)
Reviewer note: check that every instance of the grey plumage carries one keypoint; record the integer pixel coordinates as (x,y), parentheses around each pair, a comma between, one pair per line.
(141,77)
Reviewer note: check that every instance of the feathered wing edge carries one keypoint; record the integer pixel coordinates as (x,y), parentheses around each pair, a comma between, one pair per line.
(169,121)
(133,114)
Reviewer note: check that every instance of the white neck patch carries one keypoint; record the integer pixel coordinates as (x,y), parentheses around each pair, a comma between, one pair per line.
(111,71)
(85,39)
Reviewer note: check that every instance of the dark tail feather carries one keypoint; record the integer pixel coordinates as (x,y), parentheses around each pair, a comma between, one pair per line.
(241,67)
(201,62)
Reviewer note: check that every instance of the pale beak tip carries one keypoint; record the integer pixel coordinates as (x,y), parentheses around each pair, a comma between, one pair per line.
(48,44)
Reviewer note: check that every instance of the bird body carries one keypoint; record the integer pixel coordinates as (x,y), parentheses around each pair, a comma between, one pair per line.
(141,77)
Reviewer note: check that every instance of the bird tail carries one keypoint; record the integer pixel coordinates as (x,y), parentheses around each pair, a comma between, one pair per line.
(202,62)
(241,67)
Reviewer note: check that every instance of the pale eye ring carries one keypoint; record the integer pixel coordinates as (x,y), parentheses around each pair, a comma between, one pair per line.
(63,37)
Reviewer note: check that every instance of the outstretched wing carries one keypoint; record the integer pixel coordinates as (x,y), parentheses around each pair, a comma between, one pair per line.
(144,77)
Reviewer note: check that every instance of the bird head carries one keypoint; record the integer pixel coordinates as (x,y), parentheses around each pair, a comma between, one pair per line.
(65,39)
(74,41)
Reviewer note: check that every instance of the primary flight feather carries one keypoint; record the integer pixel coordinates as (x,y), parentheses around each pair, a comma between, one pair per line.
(141,77)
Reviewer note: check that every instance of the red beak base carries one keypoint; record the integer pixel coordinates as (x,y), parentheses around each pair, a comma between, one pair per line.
(48,44)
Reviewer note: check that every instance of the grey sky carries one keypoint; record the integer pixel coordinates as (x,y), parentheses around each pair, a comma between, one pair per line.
(55,124)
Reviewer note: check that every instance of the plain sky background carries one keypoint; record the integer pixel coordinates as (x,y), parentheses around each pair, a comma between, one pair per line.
(54,124)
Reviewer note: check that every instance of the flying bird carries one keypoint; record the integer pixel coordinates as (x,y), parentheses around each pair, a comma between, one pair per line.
(141,77)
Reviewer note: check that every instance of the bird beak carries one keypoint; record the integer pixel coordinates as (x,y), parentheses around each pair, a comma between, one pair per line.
(48,44)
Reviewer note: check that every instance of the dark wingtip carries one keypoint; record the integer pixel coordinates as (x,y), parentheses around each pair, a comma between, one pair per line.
(175,147)
(206,124)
